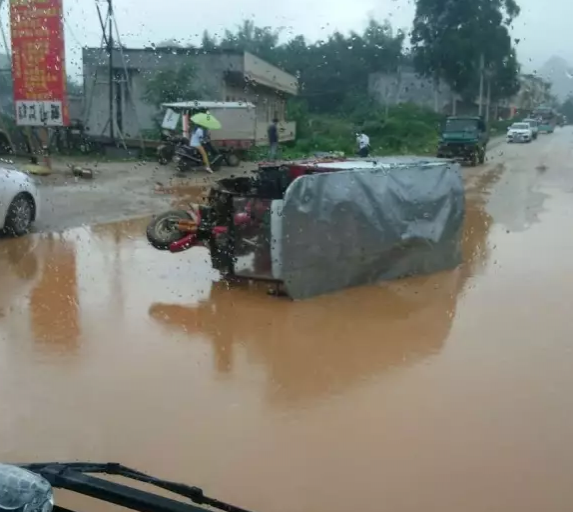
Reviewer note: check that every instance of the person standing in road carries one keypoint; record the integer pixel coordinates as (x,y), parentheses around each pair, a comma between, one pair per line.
(273,134)
(363,142)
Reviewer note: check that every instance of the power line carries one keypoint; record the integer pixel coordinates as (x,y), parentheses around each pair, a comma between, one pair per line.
(68,26)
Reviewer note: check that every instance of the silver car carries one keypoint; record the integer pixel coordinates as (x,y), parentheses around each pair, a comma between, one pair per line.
(519,132)
(19,200)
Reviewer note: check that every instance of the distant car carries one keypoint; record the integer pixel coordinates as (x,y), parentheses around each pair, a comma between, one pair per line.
(519,132)
(19,200)
(534,125)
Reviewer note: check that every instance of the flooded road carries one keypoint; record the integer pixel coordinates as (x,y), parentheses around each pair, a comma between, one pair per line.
(442,393)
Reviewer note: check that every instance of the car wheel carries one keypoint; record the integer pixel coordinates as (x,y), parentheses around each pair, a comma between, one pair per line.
(20,216)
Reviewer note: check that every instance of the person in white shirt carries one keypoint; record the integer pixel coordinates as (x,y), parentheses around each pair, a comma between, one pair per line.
(196,141)
(363,142)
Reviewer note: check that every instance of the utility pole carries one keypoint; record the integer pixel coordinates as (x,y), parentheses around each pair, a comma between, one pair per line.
(436,84)
(487,112)
(481,67)
(489,76)
(111,72)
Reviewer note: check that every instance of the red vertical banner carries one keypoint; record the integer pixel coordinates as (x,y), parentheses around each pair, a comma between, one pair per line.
(38,62)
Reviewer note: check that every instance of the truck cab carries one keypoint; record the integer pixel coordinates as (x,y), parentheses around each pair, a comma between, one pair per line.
(464,139)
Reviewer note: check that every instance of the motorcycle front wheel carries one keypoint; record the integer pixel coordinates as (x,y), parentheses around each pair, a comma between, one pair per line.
(183,165)
(164,155)
(162,231)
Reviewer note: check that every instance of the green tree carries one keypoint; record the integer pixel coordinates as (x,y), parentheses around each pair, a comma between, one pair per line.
(505,77)
(169,43)
(172,85)
(451,38)
(567,108)
(329,71)
(208,43)
(261,41)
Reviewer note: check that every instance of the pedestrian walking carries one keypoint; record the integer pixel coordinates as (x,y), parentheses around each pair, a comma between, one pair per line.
(363,142)
(273,134)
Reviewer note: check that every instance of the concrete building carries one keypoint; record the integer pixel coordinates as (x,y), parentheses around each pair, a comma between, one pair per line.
(405,86)
(222,75)
(533,91)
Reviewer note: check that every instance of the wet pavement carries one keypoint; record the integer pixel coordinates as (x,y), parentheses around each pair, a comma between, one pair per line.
(118,191)
(441,393)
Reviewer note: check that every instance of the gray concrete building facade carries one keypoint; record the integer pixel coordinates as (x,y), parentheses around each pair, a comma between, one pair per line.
(221,75)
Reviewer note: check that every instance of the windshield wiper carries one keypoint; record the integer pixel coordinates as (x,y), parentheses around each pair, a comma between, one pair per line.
(76,477)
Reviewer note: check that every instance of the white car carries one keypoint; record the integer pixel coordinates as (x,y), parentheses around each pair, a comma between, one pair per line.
(19,200)
(534,125)
(519,132)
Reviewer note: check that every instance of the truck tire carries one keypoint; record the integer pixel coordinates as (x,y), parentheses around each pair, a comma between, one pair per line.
(232,159)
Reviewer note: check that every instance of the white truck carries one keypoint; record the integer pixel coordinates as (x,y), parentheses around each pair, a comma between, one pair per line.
(241,127)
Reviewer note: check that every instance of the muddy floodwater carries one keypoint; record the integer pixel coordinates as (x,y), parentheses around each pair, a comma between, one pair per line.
(446,393)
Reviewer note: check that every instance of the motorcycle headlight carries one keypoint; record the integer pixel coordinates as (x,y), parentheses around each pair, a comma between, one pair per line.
(24,491)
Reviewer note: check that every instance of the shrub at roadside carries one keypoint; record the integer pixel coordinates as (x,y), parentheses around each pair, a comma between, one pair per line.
(406,129)
(500,127)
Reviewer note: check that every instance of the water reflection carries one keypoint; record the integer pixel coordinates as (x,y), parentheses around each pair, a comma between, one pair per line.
(38,276)
(119,232)
(226,382)
(19,266)
(317,348)
(54,303)
(20,257)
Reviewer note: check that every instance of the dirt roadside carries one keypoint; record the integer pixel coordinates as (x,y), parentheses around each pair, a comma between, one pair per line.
(117,191)
(125,189)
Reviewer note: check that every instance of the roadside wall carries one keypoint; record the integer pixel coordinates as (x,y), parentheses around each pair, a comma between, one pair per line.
(405,86)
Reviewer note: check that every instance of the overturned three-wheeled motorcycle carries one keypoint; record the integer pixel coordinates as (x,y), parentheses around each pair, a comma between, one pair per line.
(316,226)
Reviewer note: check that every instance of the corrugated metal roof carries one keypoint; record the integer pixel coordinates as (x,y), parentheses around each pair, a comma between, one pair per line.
(208,104)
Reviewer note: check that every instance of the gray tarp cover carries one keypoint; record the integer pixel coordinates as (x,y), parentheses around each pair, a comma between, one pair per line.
(381,220)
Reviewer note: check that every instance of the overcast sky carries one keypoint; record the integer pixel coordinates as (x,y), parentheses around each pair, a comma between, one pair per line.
(544,29)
